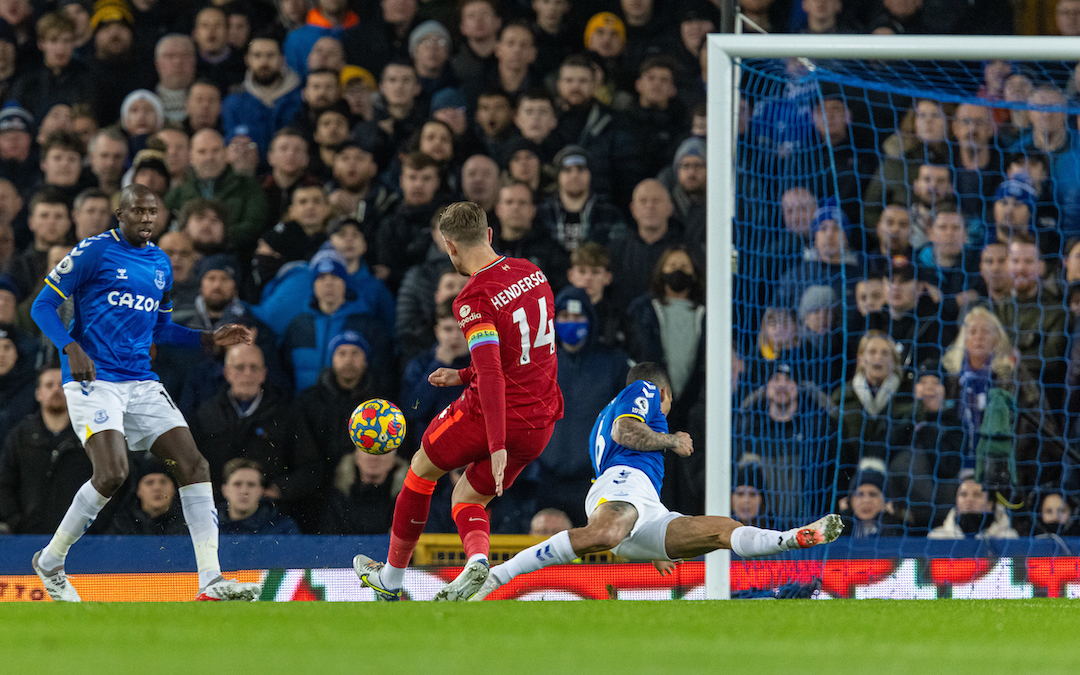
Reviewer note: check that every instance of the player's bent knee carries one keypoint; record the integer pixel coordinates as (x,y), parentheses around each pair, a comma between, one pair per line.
(423,467)
(596,538)
(193,470)
(109,476)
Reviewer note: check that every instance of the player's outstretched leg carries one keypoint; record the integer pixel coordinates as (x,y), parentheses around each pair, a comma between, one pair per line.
(176,448)
(752,542)
(608,525)
(410,516)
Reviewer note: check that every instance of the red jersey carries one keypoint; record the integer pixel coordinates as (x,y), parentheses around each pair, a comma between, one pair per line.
(507,312)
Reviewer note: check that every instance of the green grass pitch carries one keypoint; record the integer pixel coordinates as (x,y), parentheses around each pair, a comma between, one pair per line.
(609,637)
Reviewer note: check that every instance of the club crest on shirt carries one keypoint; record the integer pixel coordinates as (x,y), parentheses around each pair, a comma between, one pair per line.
(101,417)
(159,280)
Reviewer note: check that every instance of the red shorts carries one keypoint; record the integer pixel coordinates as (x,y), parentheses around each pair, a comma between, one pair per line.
(455,438)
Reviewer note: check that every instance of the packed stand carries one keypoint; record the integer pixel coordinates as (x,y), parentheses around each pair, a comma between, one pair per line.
(302,150)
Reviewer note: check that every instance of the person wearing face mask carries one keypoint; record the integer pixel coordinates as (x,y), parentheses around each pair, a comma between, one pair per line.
(1055,517)
(591,373)
(668,323)
(668,327)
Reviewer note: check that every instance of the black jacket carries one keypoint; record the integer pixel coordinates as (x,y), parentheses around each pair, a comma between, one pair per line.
(325,409)
(131,519)
(404,237)
(40,472)
(542,251)
(632,262)
(40,89)
(354,507)
(615,151)
(267,520)
(274,435)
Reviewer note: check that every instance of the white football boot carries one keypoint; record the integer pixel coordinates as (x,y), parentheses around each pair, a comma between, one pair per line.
(467,584)
(56,582)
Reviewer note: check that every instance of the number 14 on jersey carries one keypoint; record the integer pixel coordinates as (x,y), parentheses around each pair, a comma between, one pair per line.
(544,336)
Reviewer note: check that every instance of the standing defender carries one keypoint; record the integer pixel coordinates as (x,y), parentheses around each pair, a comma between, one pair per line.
(120,284)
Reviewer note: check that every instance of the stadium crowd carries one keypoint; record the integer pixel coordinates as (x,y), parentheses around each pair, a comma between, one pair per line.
(302,149)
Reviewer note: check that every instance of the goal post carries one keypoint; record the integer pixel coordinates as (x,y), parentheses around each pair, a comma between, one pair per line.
(724,53)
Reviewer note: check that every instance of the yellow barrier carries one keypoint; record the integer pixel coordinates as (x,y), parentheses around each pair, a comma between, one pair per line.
(444,550)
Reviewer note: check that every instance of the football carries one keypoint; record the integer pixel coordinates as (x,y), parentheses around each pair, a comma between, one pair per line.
(377,426)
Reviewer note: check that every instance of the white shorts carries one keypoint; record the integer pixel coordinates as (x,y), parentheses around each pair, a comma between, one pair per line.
(139,409)
(630,485)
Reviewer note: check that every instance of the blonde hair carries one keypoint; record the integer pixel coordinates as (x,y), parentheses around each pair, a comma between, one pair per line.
(1002,364)
(776,314)
(877,335)
(464,223)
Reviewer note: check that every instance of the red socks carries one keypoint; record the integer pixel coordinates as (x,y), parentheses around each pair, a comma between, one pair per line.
(474,527)
(410,516)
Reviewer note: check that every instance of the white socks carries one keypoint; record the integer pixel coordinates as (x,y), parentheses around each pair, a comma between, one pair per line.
(553,551)
(80,515)
(391,577)
(752,542)
(197,500)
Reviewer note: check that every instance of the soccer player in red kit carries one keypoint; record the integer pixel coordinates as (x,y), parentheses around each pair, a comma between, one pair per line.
(502,421)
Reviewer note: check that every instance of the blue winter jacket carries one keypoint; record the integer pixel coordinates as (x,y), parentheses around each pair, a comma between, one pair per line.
(306,343)
(262,121)
(283,297)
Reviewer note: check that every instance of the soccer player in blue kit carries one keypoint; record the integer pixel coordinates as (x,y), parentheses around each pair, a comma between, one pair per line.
(120,283)
(625,512)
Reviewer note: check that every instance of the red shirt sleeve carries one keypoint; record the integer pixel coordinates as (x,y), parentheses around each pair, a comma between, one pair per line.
(487,371)
(466,374)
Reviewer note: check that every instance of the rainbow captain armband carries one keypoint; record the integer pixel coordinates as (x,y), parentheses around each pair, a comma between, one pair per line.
(482,334)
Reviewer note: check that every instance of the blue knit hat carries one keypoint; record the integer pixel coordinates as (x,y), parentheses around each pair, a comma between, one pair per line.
(329,261)
(350,337)
(448,97)
(221,261)
(830,211)
(1019,188)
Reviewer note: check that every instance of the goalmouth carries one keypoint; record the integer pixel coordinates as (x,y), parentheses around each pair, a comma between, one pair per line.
(724,53)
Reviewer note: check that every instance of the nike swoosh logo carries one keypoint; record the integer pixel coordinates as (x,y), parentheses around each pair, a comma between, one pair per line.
(482,520)
(418,522)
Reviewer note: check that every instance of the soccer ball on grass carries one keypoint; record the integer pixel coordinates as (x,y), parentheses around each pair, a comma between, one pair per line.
(377,426)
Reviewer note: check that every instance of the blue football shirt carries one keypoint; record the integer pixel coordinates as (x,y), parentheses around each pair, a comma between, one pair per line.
(640,400)
(118,290)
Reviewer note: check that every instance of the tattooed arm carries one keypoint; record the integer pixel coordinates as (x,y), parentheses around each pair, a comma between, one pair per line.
(637,435)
